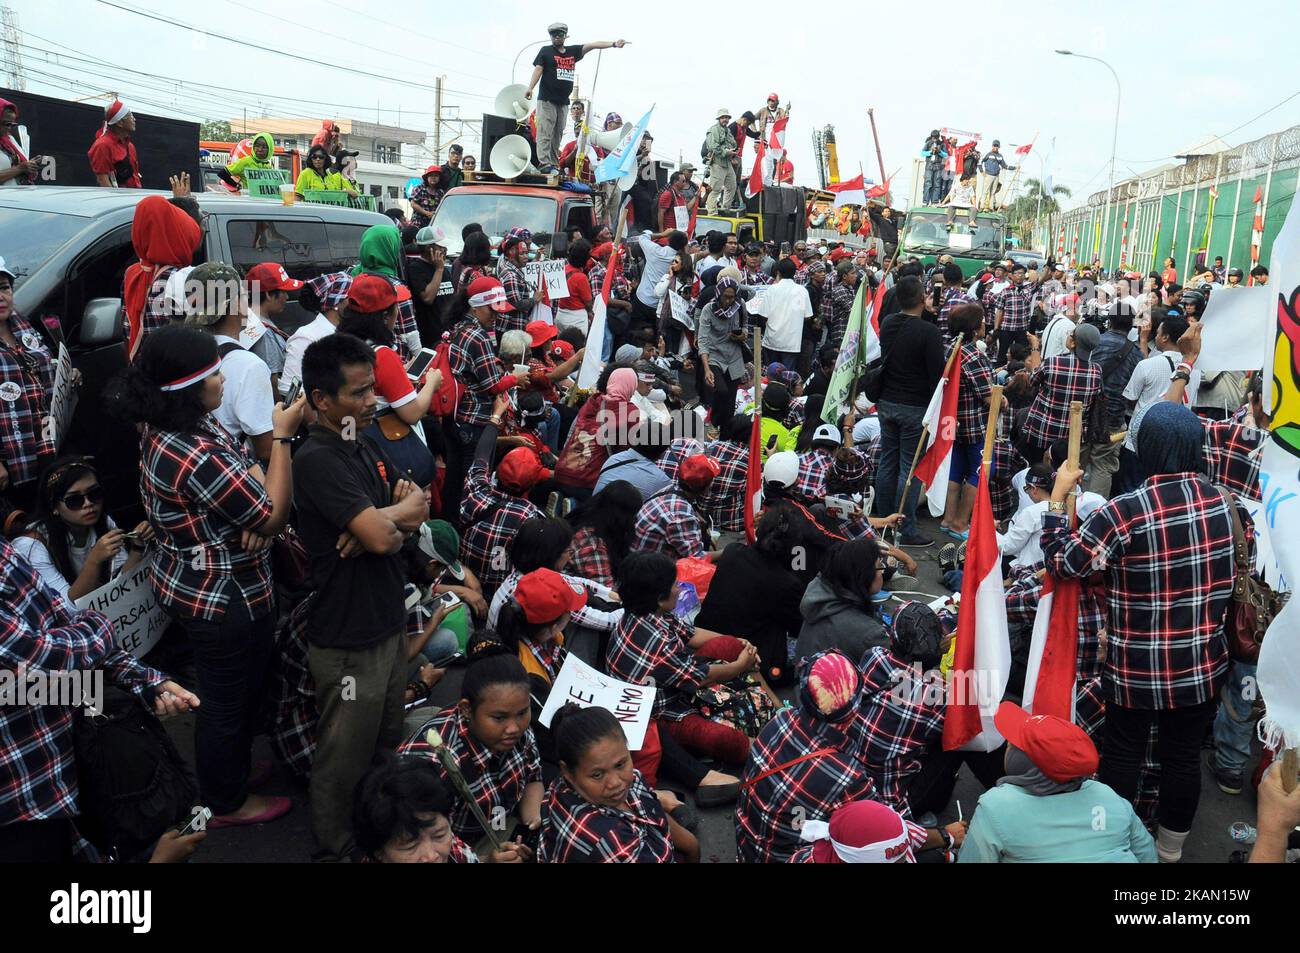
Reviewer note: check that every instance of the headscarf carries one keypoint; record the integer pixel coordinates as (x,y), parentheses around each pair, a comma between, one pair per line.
(861,832)
(828,686)
(381,248)
(9,144)
(1023,773)
(916,635)
(622,384)
(727,313)
(1170,440)
(163,235)
(613,117)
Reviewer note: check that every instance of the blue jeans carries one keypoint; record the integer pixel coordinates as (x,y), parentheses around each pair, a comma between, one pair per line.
(933,185)
(442,645)
(900,431)
(550,431)
(1233,727)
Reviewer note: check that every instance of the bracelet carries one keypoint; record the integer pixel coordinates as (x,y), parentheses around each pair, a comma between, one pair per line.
(1054,507)
(282,439)
(496,419)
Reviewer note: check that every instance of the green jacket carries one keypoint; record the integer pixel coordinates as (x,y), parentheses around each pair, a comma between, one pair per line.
(251,161)
(452,176)
(718,141)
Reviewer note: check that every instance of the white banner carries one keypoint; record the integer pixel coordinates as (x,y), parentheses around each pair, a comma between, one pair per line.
(681,310)
(550,270)
(132,606)
(1236,329)
(63,399)
(582,685)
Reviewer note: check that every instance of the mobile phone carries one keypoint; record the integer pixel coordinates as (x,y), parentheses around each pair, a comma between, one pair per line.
(785,248)
(198,822)
(449,599)
(525,835)
(420,363)
(295,388)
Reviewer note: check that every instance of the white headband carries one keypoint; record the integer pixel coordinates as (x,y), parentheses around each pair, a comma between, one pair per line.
(183,382)
(491,296)
(881,852)
(118,114)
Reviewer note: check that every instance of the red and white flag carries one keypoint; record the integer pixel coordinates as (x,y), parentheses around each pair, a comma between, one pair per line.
(850,192)
(941,428)
(1257,229)
(1053,649)
(776,139)
(754,478)
(982,659)
(1024,150)
(754,184)
(878,191)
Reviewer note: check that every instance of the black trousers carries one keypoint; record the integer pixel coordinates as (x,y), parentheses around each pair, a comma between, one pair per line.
(1178,747)
(678,764)
(932,788)
(37,842)
(722,400)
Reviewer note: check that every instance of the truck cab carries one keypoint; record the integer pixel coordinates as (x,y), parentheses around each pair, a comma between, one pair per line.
(926,236)
(551,213)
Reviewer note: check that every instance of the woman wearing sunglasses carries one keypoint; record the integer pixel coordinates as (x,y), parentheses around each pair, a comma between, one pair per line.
(72,542)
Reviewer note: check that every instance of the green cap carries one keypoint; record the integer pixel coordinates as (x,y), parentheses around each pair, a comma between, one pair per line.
(439,541)
(211,289)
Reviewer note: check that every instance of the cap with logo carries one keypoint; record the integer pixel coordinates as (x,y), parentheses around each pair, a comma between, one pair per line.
(826,433)
(439,541)
(371,293)
(545,595)
(216,288)
(487,292)
(430,235)
(271,276)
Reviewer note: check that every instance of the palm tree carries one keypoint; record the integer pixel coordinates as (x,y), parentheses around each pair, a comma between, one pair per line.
(1026,208)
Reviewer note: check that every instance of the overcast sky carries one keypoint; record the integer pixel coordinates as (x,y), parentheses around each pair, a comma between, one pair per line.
(1188,70)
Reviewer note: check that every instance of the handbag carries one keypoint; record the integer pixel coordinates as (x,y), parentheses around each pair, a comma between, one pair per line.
(402,448)
(290,563)
(1254,604)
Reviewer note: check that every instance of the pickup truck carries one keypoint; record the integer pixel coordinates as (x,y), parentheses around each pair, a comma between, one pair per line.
(69,249)
(550,212)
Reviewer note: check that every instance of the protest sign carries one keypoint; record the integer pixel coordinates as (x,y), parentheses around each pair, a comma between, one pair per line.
(63,399)
(1236,328)
(581,684)
(681,310)
(682,218)
(551,271)
(130,603)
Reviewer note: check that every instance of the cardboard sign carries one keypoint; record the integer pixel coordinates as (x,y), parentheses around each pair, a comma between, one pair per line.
(63,399)
(961,240)
(681,310)
(581,684)
(132,606)
(551,271)
(682,218)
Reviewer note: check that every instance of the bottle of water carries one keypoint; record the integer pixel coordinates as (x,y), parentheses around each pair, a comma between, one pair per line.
(1242,833)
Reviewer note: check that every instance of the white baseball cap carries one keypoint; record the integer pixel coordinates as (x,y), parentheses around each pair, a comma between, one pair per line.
(826,432)
(782,468)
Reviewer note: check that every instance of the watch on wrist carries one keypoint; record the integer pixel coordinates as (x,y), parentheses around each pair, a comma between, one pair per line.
(1180,375)
(1054,506)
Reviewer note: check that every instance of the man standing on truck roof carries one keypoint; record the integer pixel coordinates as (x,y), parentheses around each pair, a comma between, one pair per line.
(112,154)
(556,67)
(452,174)
(719,151)
(991,167)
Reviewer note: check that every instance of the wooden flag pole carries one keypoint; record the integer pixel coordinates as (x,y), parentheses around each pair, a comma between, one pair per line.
(990,429)
(1076,438)
(925,428)
(1290,766)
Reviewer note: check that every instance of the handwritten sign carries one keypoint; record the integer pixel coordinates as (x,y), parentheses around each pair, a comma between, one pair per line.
(681,310)
(63,399)
(681,218)
(130,603)
(551,270)
(959,240)
(582,685)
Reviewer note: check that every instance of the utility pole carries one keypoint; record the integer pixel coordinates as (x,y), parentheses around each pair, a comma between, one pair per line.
(13,56)
(871,115)
(437,118)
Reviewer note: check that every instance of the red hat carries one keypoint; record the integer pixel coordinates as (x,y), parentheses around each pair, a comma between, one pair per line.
(561,350)
(772,96)
(540,332)
(840,253)
(545,595)
(1059,748)
(403,293)
(488,291)
(520,470)
(271,277)
(371,293)
(696,472)
(432,168)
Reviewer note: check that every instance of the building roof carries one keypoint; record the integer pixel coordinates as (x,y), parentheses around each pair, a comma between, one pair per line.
(283,126)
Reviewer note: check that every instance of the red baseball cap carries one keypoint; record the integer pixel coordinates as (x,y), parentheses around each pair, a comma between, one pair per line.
(520,470)
(562,350)
(540,332)
(272,277)
(1058,748)
(371,293)
(488,291)
(697,471)
(545,595)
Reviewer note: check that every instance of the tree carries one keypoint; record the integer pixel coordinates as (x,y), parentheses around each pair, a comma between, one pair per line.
(216,130)
(1026,209)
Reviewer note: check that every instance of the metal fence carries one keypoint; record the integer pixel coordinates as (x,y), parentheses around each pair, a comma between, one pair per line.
(1191,212)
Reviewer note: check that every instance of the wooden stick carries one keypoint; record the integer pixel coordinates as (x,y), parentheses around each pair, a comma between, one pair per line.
(1076,438)
(925,428)
(1290,767)
(990,428)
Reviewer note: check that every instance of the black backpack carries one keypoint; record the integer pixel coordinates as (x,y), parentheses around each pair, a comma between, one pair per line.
(133,783)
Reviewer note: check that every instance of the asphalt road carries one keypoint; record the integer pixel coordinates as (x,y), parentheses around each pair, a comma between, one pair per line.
(289,839)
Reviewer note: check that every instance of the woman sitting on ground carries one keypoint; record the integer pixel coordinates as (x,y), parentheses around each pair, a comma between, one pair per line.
(839,606)
(603,533)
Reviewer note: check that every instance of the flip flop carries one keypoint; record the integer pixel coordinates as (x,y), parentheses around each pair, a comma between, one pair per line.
(278,807)
(962,536)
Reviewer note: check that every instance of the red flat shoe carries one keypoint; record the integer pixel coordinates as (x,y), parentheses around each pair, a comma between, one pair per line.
(278,807)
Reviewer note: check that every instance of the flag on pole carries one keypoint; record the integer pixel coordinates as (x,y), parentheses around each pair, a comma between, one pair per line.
(982,660)
(1209,222)
(1053,650)
(592,359)
(878,191)
(941,429)
(754,476)
(850,192)
(1024,150)
(1257,229)
(1155,240)
(1123,240)
(622,160)
(776,139)
(860,346)
(754,184)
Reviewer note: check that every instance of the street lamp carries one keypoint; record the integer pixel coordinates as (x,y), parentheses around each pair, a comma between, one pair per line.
(515,64)
(1114,136)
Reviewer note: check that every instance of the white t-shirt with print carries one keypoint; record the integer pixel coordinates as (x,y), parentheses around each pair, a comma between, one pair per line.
(786,306)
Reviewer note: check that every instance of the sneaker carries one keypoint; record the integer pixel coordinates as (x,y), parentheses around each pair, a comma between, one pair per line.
(553,504)
(948,556)
(1229,782)
(915,540)
(568,506)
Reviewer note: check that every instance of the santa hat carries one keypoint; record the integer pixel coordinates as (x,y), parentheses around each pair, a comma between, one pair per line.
(115,113)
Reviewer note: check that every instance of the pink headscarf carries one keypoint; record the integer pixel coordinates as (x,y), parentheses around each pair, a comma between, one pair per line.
(7,142)
(622,384)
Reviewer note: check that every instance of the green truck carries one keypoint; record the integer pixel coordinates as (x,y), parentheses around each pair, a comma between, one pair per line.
(926,236)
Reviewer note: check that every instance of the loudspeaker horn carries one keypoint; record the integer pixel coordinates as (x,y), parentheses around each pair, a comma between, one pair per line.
(511,157)
(609,139)
(511,102)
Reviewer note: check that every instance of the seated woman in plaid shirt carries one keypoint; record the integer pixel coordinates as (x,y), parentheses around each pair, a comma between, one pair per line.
(604,530)
(600,810)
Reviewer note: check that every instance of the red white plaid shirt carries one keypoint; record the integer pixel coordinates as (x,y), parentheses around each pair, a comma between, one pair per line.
(679,450)
(724,500)
(475,364)
(590,558)
(1016,302)
(770,811)
(26,380)
(814,469)
(491,518)
(669,523)
(901,721)
(952,298)
(1231,452)
(518,293)
(575,831)
(973,395)
(42,633)
(1023,596)
(1060,380)
(653,650)
(1166,551)
(199,495)
(496,780)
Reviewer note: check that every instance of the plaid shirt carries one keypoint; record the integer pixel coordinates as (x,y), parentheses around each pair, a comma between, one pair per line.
(159,311)
(1060,380)
(837,308)
(814,469)
(952,298)
(1166,550)
(770,811)
(590,558)
(899,725)
(1023,596)
(575,831)
(1231,451)
(653,650)
(26,380)
(1017,306)
(724,500)
(755,277)
(40,632)
(669,523)
(475,364)
(293,733)
(491,517)
(518,293)
(973,395)
(496,780)
(199,495)
(677,451)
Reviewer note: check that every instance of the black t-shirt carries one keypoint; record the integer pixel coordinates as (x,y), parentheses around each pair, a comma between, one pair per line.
(913,355)
(431,319)
(359,600)
(754,597)
(558,71)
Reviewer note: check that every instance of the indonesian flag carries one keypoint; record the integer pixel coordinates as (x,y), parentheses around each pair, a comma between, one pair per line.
(754,475)
(982,659)
(850,192)
(941,427)
(1024,150)
(776,139)
(878,191)
(592,363)
(958,158)
(754,184)
(1257,228)
(1050,675)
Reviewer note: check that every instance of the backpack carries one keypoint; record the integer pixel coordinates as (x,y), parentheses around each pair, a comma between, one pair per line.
(447,397)
(1098,426)
(133,783)
(741,704)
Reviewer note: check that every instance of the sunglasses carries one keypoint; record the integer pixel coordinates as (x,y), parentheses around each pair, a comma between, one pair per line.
(76,501)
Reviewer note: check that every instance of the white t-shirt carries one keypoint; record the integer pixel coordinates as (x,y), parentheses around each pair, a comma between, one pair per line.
(1058,329)
(657,259)
(786,306)
(38,554)
(708,261)
(1148,384)
(7,163)
(247,400)
(866,431)
(298,342)
(1023,540)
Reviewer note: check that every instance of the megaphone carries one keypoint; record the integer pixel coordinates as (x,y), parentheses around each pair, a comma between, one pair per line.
(511,157)
(512,103)
(609,139)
